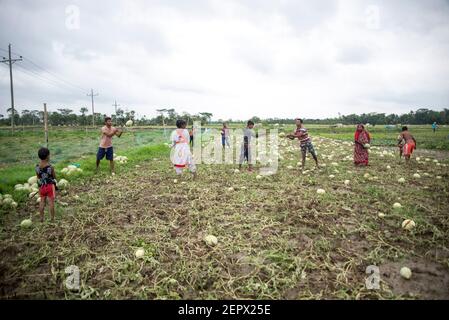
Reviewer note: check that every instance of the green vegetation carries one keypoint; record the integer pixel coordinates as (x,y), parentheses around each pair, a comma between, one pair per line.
(277,238)
(382,136)
(19,152)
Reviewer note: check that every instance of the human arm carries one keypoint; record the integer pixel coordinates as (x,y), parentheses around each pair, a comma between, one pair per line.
(400,139)
(364,138)
(53,173)
(296,134)
(109,134)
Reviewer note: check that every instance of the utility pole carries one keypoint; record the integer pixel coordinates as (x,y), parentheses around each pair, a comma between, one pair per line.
(10,61)
(116,105)
(92,95)
(46,124)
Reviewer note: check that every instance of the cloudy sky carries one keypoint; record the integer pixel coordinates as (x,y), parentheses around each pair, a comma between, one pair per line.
(232,58)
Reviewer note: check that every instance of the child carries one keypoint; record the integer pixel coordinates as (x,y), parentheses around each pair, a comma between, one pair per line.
(181,156)
(47,183)
(409,145)
(191,136)
(105,148)
(225,136)
(304,141)
(245,153)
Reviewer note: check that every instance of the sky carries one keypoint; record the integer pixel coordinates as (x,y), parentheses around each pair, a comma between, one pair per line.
(234,59)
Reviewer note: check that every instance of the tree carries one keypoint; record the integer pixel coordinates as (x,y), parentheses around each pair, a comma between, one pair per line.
(172,116)
(16,116)
(83,112)
(256,119)
(187,117)
(206,116)
(162,111)
(120,116)
(130,115)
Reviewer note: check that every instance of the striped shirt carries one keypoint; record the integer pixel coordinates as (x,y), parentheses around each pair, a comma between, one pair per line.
(302,135)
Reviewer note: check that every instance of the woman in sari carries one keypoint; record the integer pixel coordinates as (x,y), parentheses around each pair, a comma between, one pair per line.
(361,141)
(180,155)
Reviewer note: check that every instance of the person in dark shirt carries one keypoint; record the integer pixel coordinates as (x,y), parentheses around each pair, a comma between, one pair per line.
(46,180)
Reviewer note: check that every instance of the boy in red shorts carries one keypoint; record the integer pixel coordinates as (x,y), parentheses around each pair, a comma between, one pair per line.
(408,143)
(46,179)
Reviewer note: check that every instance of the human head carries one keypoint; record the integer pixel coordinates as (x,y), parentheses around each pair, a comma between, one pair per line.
(181,124)
(299,121)
(108,121)
(225,125)
(44,154)
(360,127)
(404,128)
(250,124)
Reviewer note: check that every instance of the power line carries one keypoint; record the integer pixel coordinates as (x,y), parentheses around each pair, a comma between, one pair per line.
(10,62)
(54,75)
(39,76)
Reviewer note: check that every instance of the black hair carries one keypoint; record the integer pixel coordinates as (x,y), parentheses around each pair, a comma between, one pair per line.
(250,123)
(300,120)
(43,153)
(180,123)
(107,118)
(404,128)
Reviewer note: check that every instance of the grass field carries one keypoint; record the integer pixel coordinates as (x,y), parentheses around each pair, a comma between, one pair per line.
(277,238)
(426,138)
(19,152)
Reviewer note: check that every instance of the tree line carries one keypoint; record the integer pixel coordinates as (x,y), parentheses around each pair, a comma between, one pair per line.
(168,116)
(67,117)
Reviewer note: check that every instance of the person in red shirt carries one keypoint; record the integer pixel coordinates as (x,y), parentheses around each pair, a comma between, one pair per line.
(361,138)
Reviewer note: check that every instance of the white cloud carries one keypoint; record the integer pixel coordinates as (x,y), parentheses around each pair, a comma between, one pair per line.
(235,59)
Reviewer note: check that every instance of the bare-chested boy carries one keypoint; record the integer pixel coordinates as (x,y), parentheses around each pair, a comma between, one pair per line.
(408,143)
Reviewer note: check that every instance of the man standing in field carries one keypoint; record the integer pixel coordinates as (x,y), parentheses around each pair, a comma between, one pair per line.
(304,141)
(105,149)
(409,144)
(434,127)
(246,150)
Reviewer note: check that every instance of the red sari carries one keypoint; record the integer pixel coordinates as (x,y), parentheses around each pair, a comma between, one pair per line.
(361,137)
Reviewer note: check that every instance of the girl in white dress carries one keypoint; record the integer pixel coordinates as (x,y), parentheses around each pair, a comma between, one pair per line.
(180,156)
